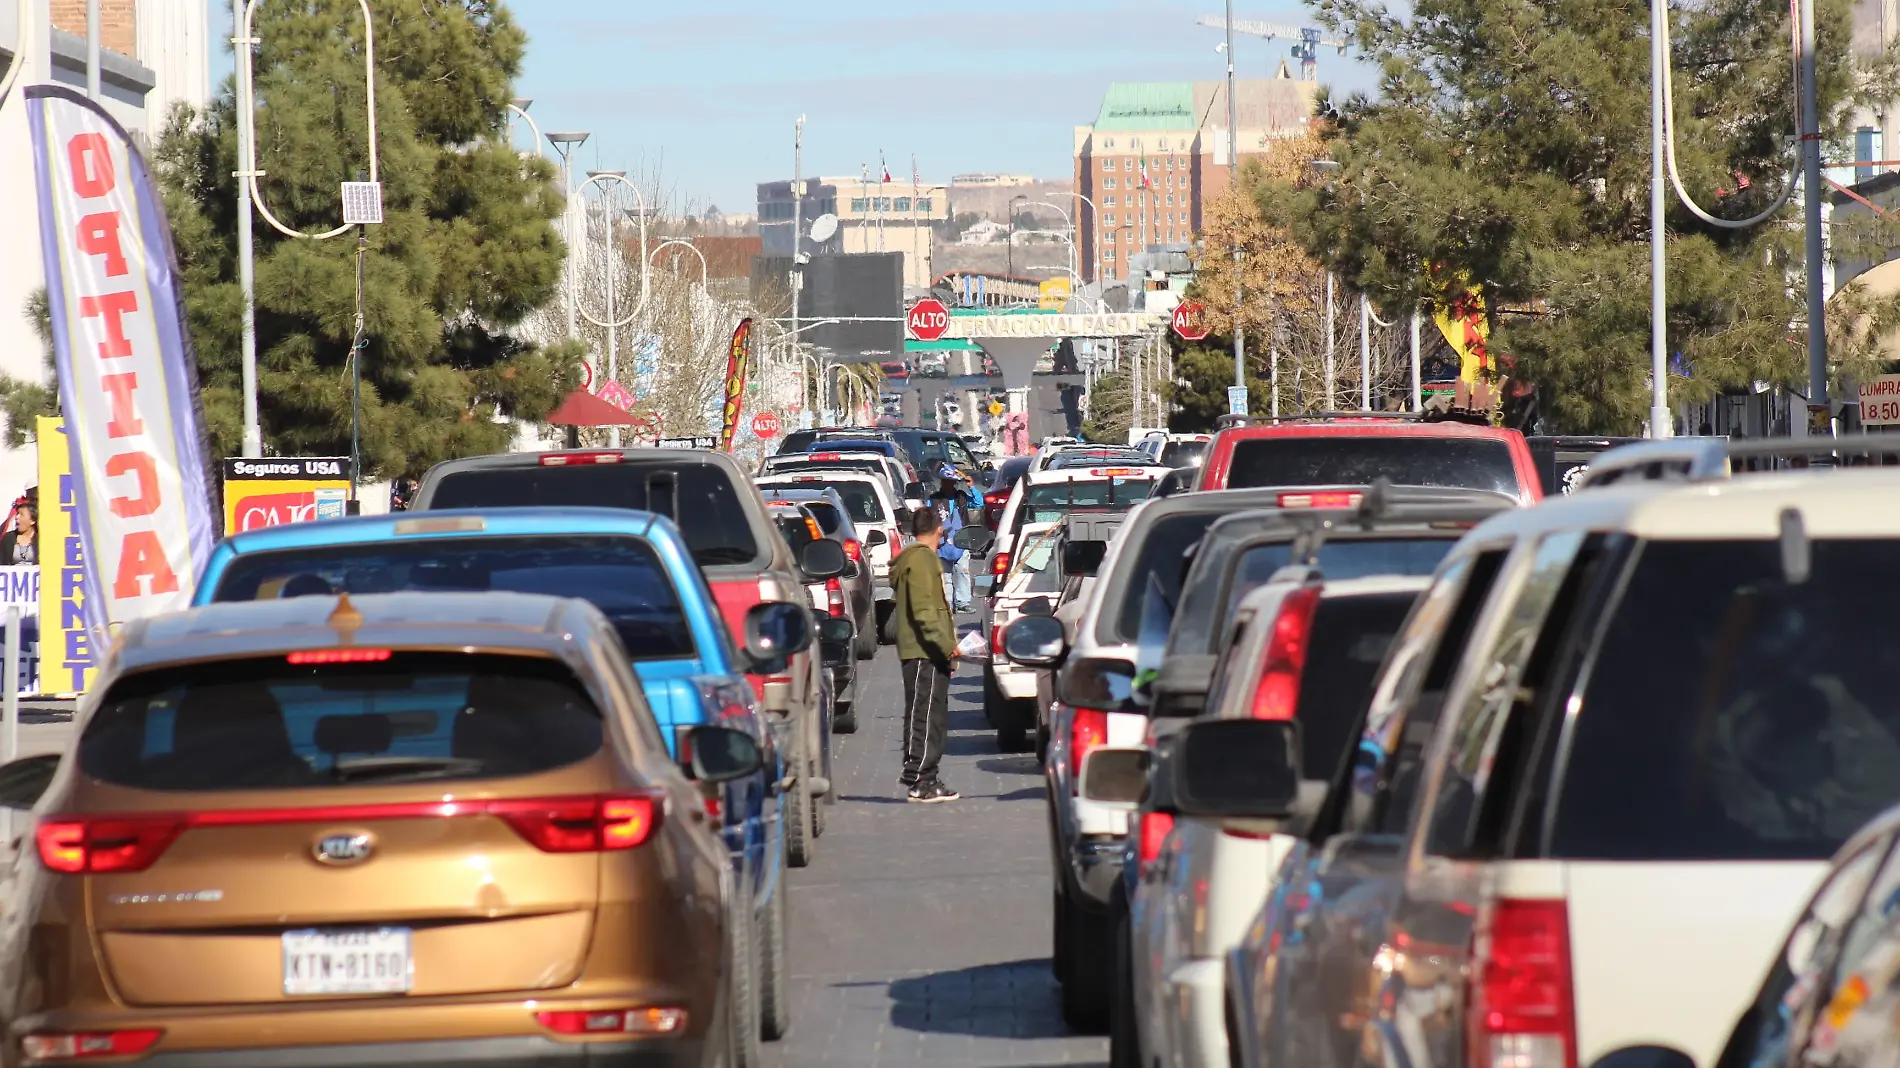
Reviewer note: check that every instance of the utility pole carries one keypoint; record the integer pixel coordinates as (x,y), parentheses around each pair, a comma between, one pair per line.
(92,49)
(1418,391)
(247,274)
(1331,336)
(1660,425)
(1365,353)
(1811,213)
(798,220)
(1233,165)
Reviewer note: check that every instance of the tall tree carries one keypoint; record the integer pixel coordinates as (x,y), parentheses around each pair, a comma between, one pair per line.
(466,250)
(1509,147)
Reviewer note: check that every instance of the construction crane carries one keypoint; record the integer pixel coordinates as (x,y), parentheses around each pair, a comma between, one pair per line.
(1307,39)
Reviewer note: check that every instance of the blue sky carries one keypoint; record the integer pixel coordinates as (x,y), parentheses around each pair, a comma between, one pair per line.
(706,92)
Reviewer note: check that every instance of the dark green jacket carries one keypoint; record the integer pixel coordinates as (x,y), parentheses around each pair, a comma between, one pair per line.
(924,624)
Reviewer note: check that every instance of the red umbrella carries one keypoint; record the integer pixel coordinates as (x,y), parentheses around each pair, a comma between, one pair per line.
(581,408)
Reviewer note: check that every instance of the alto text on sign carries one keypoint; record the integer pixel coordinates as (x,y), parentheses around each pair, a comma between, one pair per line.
(928,320)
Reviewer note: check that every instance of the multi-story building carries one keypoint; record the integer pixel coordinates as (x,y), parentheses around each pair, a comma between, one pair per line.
(873,216)
(1157,153)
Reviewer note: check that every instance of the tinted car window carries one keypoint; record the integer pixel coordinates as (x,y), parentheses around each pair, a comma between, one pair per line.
(1183,453)
(1162,553)
(1010,472)
(796,533)
(859,498)
(1049,502)
(1316,460)
(265,723)
(697,496)
(1732,714)
(621,576)
(828,519)
(1345,559)
(1349,639)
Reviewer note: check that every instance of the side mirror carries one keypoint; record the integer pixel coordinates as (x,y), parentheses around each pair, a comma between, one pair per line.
(1103,682)
(876,537)
(721,754)
(836,630)
(24,780)
(1117,776)
(976,539)
(822,559)
(1081,559)
(1036,641)
(1241,768)
(775,632)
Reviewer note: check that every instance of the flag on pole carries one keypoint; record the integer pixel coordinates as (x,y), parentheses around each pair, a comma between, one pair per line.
(886,167)
(737,355)
(143,506)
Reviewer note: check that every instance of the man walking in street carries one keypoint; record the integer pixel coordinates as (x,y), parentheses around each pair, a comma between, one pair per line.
(926,646)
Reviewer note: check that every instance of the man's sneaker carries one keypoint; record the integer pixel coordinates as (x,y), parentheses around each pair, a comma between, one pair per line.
(932,793)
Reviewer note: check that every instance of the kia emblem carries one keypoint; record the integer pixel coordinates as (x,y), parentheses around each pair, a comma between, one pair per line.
(342,849)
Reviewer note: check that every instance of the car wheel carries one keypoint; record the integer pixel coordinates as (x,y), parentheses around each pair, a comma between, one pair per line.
(1042,744)
(1059,926)
(1085,992)
(1011,739)
(844,718)
(797,814)
(887,624)
(742,995)
(775,993)
(867,640)
(993,703)
(1124,1042)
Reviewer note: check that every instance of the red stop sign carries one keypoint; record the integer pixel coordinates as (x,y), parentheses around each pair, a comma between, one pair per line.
(1190,320)
(928,320)
(765,425)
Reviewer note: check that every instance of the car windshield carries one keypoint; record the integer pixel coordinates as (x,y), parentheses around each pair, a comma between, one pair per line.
(859,498)
(1733,714)
(620,575)
(268,724)
(699,497)
(1358,460)
(1051,501)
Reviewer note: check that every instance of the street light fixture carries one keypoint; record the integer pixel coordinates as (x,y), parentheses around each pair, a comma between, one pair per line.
(565,142)
(612,324)
(519,106)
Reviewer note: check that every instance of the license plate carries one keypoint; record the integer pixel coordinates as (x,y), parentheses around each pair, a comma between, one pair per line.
(358,961)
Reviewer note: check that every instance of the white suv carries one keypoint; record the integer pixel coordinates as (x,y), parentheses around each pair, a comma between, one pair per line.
(868,498)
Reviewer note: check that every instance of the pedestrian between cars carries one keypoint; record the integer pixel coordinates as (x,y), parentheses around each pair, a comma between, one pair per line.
(956,499)
(926,645)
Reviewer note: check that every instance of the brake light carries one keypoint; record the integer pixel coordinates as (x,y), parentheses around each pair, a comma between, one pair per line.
(853,551)
(999,565)
(1087,730)
(826,456)
(834,597)
(1115,472)
(575,459)
(104,845)
(1278,691)
(56,1047)
(339,656)
(580,824)
(996,641)
(1152,832)
(1321,500)
(641,1021)
(1520,1010)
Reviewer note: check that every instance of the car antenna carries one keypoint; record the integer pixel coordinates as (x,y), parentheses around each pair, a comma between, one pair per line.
(1797,556)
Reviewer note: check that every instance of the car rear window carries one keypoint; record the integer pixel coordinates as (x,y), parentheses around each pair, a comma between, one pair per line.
(699,497)
(1051,501)
(827,516)
(266,723)
(1038,561)
(1733,715)
(796,533)
(1183,453)
(1163,553)
(622,576)
(1340,559)
(787,464)
(1349,640)
(1410,460)
(859,498)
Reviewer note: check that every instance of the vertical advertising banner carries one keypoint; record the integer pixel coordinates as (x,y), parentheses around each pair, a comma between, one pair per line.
(67,657)
(284,489)
(736,358)
(127,377)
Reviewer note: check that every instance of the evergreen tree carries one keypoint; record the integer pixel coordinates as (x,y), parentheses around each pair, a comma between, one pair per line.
(466,251)
(1510,147)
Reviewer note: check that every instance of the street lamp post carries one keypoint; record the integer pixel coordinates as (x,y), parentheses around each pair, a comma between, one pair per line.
(565,142)
(1233,168)
(519,106)
(611,323)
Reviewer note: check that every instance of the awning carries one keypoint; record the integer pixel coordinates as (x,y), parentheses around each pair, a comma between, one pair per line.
(581,408)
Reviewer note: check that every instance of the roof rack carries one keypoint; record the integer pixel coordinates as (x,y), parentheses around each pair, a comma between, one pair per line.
(1226,421)
(1699,459)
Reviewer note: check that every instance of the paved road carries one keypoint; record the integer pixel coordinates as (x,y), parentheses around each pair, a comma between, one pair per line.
(920,935)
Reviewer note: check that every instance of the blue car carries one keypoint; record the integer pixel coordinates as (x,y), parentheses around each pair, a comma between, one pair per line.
(632,565)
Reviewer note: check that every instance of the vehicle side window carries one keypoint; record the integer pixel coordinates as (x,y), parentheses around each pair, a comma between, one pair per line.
(959,454)
(1405,705)
(612,665)
(1498,692)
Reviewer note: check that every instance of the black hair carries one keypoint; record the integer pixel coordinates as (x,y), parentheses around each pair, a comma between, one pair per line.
(924,521)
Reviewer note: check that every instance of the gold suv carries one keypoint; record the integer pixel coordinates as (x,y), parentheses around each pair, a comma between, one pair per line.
(414,829)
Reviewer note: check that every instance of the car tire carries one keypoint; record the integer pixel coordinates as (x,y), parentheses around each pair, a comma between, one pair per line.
(797,814)
(992,700)
(1059,926)
(1085,992)
(867,641)
(1011,740)
(1042,744)
(887,624)
(775,991)
(742,1001)
(844,718)
(1124,1035)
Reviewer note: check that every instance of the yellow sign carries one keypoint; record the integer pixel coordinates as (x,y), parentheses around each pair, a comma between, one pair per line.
(1463,323)
(67,657)
(996,407)
(1055,294)
(272,491)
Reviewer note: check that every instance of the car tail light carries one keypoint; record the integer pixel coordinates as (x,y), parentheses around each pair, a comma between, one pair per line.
(834,597)
(647,1020)
(996,641)
(104,845)
(72,1047)
(853,550)
(576,459)
(1321,500)
(1087,730)
(581,824)
(1152,831)
(1278,691)
(999,565)
(1520,1008)
(339,656)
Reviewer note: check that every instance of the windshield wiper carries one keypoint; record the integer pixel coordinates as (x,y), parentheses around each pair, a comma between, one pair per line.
(356,769)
